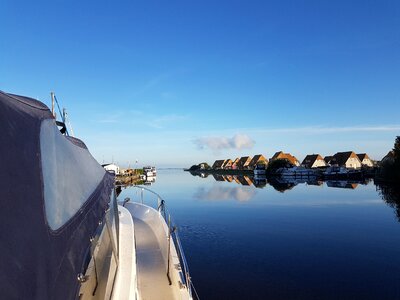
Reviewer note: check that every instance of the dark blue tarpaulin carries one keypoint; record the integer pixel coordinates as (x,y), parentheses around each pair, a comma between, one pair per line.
(39,260)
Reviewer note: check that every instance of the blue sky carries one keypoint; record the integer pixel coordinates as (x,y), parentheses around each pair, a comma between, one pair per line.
(173,83)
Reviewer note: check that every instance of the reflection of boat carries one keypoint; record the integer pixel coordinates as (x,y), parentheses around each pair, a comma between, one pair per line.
(342,184)
(260,170)
(77,241)
(149,180)
(259,182)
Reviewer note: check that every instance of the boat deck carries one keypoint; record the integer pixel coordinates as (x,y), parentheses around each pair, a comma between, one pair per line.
(152,275)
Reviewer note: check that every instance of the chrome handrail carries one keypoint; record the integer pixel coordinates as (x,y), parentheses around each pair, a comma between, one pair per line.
(164,212)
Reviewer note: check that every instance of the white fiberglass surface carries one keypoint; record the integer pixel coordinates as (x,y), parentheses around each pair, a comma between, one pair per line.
(70,175)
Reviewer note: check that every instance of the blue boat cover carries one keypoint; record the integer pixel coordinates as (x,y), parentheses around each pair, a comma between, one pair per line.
(53,194)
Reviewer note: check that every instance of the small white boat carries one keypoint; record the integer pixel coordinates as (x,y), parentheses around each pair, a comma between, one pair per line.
(149,171)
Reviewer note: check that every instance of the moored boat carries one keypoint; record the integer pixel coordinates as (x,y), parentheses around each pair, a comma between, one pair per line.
(149,171)
(65,234)
(296,172)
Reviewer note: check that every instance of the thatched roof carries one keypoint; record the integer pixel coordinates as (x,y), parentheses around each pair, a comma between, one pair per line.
(280,155)
(341,158)
(309,160)
(256,159)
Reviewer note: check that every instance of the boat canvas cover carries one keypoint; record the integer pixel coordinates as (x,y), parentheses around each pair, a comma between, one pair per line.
(53,195)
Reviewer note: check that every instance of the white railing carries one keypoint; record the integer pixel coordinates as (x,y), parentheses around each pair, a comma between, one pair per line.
(172,234)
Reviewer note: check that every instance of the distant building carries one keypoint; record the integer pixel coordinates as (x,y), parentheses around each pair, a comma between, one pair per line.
(218,164)
(389,158)
(290,158)
(112,168)
(244,162)
(126,172)
(328,159)
(227,164)
(259,158)
(365,160)
(347,159)
(313,161)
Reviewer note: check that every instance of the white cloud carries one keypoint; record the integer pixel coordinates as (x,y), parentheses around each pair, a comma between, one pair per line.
(238,142)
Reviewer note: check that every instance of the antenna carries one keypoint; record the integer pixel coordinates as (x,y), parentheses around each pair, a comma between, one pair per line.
(52,105)
(67,122)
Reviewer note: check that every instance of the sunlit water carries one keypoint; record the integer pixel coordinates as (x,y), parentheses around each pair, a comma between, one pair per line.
(309,242)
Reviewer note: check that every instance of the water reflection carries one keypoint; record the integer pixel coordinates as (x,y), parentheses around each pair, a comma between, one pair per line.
(282,184)
(342,184)
(218,193)
(310,242)
(390,193)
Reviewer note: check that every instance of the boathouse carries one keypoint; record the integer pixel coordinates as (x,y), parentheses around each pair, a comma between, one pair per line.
(290,158)
(346,159)
(389,158)
(244,162)
(313,161)
(328,159)
(257,159)
(365,160)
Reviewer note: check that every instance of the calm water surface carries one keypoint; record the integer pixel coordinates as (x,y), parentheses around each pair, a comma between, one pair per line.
(309,242)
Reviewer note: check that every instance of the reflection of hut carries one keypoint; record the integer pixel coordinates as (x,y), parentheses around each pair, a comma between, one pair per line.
(227,164)
(235,177)
(234,163)
(218,164)
(290,158)
(244,180)
(313,161)
(218,177)
(257,159)
(342,184)
(244,162)
(346,159)
(228,178)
